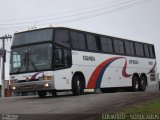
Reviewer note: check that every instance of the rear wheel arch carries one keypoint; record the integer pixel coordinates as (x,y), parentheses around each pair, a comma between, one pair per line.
(135,74)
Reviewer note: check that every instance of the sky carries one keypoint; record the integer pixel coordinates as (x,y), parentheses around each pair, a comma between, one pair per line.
(130,19)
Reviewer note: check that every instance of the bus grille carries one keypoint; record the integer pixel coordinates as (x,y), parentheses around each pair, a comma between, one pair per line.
(21,81)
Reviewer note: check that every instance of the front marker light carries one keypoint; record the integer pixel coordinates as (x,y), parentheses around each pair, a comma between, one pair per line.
(47,77)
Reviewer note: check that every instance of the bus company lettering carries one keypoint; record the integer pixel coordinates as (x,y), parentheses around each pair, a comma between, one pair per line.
(133,62)
(89,58)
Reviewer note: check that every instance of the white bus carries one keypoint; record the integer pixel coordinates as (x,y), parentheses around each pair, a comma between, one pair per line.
(59,59)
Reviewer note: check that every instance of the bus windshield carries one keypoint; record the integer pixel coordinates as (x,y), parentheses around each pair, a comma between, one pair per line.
(31,58)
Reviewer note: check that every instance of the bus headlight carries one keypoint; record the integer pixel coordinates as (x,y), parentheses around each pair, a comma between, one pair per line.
(13,88)
(46,85)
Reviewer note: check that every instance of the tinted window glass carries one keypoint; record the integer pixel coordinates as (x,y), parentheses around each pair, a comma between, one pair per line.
(91,42)
(40,57)
(132,50)
(151,50)
(106,44)
(118,46)
(121,47)
(98,43)
(31,58)
(129,47)
(146,50)
(67,58)
(139,49)
(32,37)
(62,57)
(62,37)
(78,40)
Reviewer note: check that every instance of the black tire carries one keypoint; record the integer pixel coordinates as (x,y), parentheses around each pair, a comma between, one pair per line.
(42,94)
(77,85)
(135,83)
(103,90)
(54,93)
(143,83)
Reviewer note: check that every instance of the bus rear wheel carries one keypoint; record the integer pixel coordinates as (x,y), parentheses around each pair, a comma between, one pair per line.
(135,83)
(143,83)
(77,85)
(42,94)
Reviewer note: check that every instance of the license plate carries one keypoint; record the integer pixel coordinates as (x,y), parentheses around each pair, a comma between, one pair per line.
(28,87)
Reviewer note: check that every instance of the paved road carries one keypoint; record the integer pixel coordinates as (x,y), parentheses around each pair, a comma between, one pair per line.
(69,107)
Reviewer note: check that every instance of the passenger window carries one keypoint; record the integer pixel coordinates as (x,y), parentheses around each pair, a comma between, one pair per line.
(78,40)
(67,58)
(139,49)
(62,57)
(146,50)
(98,43)
(59,57)
(62,37)
(91,42)
(118,46)
(106,44)
(129,47)
(151,50)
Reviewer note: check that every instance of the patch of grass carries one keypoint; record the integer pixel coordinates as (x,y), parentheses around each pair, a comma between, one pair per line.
(149,107)
(147,110)
(142,111)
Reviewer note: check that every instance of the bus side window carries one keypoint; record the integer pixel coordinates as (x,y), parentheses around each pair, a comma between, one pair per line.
(58,57)
(118,46)
(91,42)
(139,49)
(78,40)
(146,50)
(67,58)
(129,47)
(106,44)
(62,58)
(152,51)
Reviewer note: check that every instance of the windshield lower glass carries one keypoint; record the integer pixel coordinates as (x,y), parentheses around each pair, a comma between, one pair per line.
(31,58)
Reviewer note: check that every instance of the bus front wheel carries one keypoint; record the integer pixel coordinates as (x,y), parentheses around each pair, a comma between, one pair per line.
(42,94)
(77,85)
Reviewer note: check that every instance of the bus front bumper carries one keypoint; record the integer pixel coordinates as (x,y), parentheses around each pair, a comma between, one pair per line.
(33,86)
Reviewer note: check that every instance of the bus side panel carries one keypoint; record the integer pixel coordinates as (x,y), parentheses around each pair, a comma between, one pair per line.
(62,79)
(114,70)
